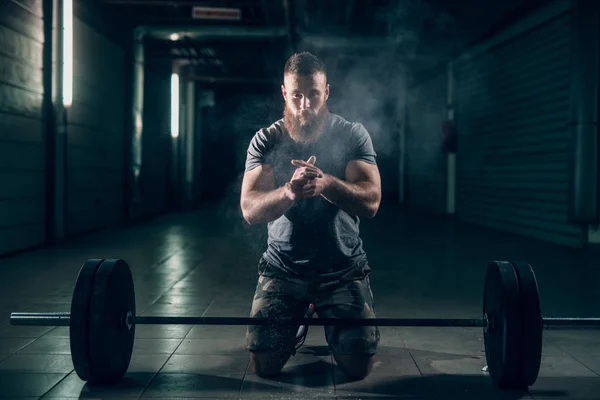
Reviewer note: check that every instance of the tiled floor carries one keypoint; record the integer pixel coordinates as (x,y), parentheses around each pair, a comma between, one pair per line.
(204,263)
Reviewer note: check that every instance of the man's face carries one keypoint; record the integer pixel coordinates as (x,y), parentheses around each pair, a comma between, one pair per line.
(306,104)
(305,95)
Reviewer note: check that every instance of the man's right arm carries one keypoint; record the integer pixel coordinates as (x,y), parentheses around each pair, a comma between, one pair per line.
(260,201)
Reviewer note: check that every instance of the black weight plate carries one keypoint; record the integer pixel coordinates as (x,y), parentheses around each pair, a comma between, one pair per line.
(531,355)
(79,323)
(501,303)
(110,339)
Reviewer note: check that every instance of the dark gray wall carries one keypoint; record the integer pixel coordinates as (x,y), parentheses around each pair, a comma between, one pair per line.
(96,123)
(22,147)
(156,139)
(426,164)
(95,133)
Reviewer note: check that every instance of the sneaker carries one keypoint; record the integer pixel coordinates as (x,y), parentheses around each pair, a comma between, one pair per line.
(303,329)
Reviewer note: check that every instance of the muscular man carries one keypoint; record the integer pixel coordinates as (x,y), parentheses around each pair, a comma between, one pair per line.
(311,176)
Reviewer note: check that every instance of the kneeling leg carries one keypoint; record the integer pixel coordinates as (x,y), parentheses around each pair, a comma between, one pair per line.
(267,363)
(270,346)
(353,347)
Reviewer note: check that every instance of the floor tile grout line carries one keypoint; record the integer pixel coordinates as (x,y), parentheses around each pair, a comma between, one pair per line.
(57,384)
(239,396)
(20,348)
(577,361)
(162,261)
(411,355)
(176,348)
(157,373)
(173,353)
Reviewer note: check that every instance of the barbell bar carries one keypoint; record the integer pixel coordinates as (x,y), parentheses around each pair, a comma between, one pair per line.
(103,318)
(64,319)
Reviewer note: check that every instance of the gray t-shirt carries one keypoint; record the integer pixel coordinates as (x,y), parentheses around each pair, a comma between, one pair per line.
(314,238)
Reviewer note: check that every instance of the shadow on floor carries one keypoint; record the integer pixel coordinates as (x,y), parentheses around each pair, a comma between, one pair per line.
(385,386)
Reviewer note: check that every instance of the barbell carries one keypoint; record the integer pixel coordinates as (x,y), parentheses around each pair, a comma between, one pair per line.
(102,322)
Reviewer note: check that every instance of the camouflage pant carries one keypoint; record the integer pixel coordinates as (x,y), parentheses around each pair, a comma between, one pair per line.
(290,298)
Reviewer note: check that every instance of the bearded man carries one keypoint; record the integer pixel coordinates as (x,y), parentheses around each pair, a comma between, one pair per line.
(312,209)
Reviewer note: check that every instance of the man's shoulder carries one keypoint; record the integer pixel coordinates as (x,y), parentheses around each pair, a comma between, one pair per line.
(263,143)
(337,121)
(345,126)
(276,128)
(272,132)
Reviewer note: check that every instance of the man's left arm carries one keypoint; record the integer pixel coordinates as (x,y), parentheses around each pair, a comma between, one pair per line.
(359,194)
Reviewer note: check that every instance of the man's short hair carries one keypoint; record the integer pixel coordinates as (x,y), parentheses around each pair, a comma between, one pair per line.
(304,64)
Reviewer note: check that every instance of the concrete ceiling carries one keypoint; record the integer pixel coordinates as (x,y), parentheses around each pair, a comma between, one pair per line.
(255,47)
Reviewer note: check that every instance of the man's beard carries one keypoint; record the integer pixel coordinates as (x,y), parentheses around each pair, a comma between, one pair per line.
(308,132)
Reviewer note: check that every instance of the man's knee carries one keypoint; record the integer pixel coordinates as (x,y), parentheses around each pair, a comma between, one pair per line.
(267,363)
(357,366)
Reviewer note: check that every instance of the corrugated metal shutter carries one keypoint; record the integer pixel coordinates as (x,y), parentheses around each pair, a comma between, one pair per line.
(513,143)
(426,164)
(96,127)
